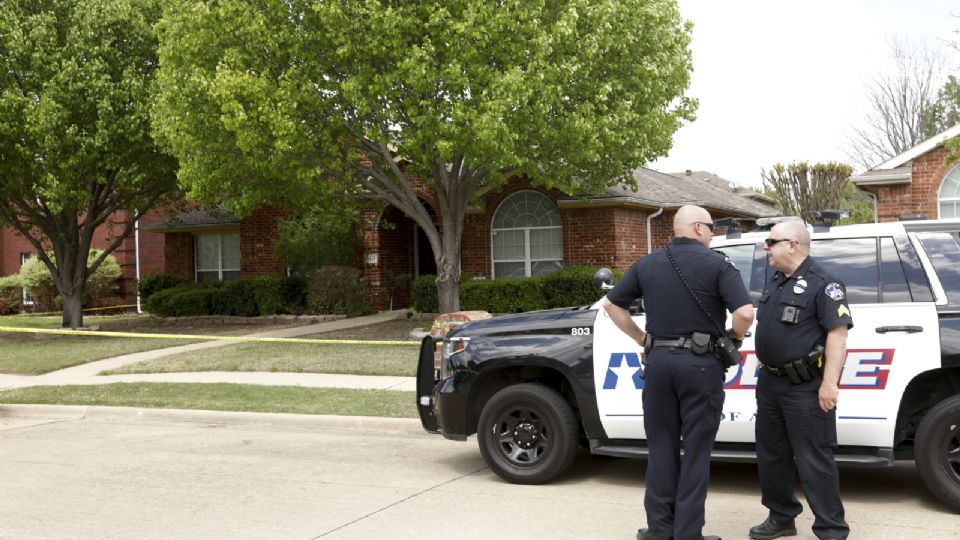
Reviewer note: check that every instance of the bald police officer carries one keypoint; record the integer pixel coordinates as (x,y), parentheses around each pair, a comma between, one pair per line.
(802,311)
(683,391)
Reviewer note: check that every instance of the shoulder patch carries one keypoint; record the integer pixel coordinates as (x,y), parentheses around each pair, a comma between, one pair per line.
(834,291)
(842,310)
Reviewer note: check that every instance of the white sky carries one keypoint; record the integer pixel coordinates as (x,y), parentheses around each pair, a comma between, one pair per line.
(782,81)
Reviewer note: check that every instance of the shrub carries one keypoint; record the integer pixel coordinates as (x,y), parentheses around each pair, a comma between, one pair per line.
(11,295)
(423,294)
(234,297)
(277,295)
(156,282)
(337,289)
(187,299)
(567,287)
(510,295)
(35,276)
(192,302)
(571,286)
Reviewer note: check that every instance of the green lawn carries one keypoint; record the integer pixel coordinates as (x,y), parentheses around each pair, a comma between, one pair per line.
(396,360)
(56,321)
(224,397)
(27,354)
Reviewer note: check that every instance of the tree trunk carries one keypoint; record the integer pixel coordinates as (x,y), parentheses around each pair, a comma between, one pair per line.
(448,265)
(72,308)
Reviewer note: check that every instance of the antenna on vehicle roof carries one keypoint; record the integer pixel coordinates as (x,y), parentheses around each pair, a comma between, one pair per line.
(825,219)
(732,225)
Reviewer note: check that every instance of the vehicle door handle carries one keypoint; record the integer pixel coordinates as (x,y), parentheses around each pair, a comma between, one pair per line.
(907,329)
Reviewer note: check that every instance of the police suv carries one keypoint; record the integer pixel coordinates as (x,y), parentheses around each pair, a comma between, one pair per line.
(535,386)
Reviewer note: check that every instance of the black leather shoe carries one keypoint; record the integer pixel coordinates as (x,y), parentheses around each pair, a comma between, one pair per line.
(645,534)
(770,529)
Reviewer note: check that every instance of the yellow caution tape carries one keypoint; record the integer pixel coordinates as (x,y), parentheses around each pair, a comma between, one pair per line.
(204,338)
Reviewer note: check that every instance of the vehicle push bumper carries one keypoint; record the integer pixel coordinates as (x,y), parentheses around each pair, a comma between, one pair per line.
(427,379)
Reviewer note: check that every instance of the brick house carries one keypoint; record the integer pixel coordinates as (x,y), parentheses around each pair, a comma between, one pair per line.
(916,182)
(519,230)
(522,230)
(196,244)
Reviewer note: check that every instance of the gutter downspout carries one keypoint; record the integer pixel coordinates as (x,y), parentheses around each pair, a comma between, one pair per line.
(650,234)
(136,257)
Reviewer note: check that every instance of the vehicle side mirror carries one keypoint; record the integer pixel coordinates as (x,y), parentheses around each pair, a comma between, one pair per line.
(603,279)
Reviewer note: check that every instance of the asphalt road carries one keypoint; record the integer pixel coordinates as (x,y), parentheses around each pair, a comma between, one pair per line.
(145,475)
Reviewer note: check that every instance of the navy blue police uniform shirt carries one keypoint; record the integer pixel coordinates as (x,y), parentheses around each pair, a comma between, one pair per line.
(819,301)
(671,312)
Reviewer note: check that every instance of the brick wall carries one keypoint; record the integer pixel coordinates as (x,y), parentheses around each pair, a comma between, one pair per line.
(11,246)
(178,252)
(918,197)
(257,233)
(395,259)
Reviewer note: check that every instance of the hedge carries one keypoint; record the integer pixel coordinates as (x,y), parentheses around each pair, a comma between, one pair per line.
(569,286)
(157,282)
(241,297)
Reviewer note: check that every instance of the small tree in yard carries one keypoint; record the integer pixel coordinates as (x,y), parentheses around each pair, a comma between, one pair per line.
(296,100)
(801,189)
(36,276)
(76,80)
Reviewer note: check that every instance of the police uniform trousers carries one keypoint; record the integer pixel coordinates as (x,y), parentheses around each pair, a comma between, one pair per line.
(682,404)
(794,435)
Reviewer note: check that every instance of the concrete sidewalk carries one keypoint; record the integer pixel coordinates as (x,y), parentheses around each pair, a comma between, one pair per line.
(87,374)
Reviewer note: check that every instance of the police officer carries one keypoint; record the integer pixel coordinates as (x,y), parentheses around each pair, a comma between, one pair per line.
(803,307)
(683,392)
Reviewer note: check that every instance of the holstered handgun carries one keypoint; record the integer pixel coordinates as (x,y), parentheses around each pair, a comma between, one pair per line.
(815,358)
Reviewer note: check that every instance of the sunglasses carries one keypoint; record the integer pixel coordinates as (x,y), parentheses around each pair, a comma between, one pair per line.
(770,242)
(707,225)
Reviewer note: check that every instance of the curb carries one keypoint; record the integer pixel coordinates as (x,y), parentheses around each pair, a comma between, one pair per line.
(373,424)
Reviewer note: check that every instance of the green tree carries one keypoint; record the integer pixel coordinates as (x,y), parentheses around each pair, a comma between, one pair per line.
(36,276)
(801,189)
(319,236)
(947,113)
(76,153)
(295,99)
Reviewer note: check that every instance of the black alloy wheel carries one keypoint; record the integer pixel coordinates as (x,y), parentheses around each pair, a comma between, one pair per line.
(528,434)
(937,451)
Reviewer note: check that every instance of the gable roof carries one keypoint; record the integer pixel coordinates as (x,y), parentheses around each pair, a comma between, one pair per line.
(898,169)
(214,217)
(660,190)
(723,183)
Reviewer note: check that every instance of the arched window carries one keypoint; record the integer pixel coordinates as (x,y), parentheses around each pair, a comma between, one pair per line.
(949,196)
(527,236)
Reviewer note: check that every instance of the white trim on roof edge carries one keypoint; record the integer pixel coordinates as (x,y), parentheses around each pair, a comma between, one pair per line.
(919,149)
(882,179)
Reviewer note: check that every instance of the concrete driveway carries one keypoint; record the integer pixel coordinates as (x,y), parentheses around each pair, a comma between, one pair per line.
(104,473)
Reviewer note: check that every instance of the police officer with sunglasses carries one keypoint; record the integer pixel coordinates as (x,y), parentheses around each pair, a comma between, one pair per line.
(802,323)
(683,391)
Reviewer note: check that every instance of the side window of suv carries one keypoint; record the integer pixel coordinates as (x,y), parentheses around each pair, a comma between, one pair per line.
(751,261)
(854,262)
(874,270)
(742,257)
(945,256)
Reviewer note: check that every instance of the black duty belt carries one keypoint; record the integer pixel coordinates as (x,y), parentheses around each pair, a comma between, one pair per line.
(680,343)
(776,371)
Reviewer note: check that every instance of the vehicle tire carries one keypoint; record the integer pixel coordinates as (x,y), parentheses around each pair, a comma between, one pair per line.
(937,451)
(528,434)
